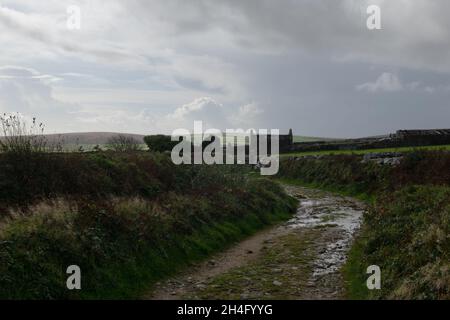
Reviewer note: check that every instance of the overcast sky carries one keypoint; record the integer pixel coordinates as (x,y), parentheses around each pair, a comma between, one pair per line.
(147,66)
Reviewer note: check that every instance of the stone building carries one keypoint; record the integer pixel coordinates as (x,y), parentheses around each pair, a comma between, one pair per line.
(286,141)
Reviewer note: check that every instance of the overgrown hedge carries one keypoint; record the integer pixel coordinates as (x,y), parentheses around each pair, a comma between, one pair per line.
(407,228)
(27,178)
(408,236)
(349,174)
(126,220)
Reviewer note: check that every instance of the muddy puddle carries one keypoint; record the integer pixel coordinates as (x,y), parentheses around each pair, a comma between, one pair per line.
(321,210)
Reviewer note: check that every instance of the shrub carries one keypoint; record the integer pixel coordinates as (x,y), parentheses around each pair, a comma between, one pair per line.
(407,236)
(343,172)
(123,245)
(159,143)
(39,176)
(123,143)
(349,173)
(18,138)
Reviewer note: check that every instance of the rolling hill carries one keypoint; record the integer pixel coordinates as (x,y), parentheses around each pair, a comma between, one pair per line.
(88,138)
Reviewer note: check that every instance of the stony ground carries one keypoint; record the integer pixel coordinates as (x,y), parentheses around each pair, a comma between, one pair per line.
(300,259)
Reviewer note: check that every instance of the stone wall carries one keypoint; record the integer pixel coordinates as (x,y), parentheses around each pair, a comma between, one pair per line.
(423,137)
(402,138)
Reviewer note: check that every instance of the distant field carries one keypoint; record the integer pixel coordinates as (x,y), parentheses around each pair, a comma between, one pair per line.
(88,140)
(312,139)
(90,147)
(241,139)
(403,149)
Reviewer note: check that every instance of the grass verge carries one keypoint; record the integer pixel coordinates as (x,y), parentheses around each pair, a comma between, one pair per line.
(365,151)
(134,279)
(124,245)
(405,230)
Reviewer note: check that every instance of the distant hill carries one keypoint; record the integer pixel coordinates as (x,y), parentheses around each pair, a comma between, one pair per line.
(313,139)
(88,138)
(101,138)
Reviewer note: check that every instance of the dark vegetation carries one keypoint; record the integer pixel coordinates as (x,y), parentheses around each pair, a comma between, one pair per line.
(29,178)
(123,143)
(159,143)
(401,139)
(406,230)
(347,172)
(127,218)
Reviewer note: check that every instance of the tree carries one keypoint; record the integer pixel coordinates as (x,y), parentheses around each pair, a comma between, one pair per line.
(123,143)
(159,143)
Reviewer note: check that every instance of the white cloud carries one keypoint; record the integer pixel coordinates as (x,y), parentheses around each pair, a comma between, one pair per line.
(386,82)
(248,115)
(214,115)
(389,82)
(17,72)
(250,110)
(30,93)
(116,120)
(206,109)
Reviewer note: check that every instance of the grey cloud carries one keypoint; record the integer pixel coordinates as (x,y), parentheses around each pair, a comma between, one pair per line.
(415,34)
(47,35)
(302,62)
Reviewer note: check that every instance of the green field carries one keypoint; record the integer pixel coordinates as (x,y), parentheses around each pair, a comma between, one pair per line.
(90,147)
(334,152)
(87,147)
(312,139)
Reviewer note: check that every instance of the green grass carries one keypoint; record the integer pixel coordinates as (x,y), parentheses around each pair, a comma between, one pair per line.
(123,244)
(354,273)
(404,230)
(365,151)
(312,139)
(38,271)
(134,279)
(125,219)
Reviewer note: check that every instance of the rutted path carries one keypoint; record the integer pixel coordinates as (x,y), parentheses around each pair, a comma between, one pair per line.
(300,259)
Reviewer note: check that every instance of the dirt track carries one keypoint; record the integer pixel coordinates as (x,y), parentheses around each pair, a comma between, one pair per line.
(300,259)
